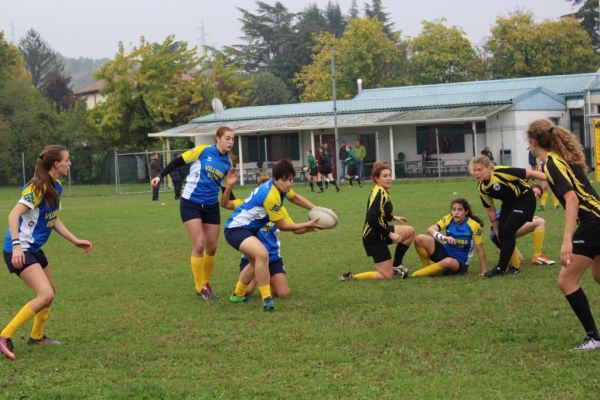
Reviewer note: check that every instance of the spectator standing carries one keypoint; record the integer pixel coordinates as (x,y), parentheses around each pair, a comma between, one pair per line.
(343,154)
(360,152)
(155,169)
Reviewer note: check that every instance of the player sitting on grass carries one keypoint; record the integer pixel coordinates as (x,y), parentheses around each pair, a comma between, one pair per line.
(537,228)
(269,236)
(264,204)
(450,252)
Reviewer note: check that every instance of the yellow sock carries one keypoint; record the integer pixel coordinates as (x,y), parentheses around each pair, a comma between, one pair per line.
(514,259)
(430,270)
(198,272)
(37,331)
(555,201)
(423,256)
(209,263)
(365,275)
(265,291)
(24,315)
(544,198)
(240,289)
(538,241)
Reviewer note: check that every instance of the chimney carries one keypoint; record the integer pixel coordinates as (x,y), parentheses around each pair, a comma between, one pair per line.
(359,84)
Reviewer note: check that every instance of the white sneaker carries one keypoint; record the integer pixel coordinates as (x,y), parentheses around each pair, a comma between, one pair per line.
(401,271)
(588,344)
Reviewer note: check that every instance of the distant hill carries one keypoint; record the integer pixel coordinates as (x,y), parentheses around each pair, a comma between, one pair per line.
(81,70)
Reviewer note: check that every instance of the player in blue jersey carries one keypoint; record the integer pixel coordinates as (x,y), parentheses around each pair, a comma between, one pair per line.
(269,236)
(199,203)
(450,242)
(264,204)
(29,225)
(566,171)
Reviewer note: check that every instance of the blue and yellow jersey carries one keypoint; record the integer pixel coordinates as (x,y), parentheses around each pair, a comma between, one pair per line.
(36,224)
(264,204)
(208,168)
(269,236)
(563,177)
(467,235)
(506,184)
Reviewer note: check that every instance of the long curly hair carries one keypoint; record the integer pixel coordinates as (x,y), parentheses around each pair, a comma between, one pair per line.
(551,137)
(42,182)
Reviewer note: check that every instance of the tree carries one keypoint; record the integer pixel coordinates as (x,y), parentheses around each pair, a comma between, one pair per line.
(336,23)
(42,61)
(353,12)
(56,89)
(587,15)
(442,54)
(364,51)
(144,91)
(376,11)
(12,65)
(269,89)
(520,47)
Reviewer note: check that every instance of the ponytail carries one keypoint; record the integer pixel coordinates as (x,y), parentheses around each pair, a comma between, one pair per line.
(42,182)
(554,138)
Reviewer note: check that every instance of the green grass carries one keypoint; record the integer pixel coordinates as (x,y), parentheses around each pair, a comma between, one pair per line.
(133,327)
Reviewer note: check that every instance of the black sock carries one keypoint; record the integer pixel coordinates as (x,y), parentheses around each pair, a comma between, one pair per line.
(350,180)
(580,305)
(320,185)
(312,187)
(399,254)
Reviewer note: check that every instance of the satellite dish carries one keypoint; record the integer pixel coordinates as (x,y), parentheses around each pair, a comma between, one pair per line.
(217,106)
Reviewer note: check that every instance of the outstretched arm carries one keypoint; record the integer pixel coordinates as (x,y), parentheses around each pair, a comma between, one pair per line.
(64,232)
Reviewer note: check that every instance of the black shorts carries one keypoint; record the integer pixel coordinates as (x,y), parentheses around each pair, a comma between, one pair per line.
(313,172)
(439,253)
(275,266)
(31,258)
(326,170)
(586,240)
(208,213)
(378,249)
(352,170)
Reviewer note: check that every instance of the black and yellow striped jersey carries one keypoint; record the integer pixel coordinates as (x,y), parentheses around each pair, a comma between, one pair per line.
(506,184)
(563,177)
(379,213)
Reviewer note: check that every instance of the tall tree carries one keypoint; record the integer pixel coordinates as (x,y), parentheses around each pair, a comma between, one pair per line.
(364,51)
(143,91)
(56,89)
(12,65)
(587,15)
(442,54)
(336,23)
(353,12)
(42,61)
(269,89)
(520,47)
(376,11)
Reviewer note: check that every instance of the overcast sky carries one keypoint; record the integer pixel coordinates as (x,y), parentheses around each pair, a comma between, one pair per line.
(93,28)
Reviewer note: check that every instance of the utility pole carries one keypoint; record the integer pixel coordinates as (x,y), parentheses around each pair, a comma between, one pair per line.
(335,127)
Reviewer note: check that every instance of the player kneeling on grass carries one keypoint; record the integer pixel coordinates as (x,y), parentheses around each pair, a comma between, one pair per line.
(378,233)
(269,236)
(29,225)
(264,204)
(451,252)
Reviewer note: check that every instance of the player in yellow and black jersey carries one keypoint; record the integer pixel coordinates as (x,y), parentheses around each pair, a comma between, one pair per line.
(378,232)
(566,171)
(509,185)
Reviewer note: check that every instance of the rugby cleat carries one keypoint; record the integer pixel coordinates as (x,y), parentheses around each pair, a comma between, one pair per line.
(207,294)
(490,273)
(542,260)
(6,348)
(233,298)
(512,270)
(401,272)
(346,276)
(44,340)
(268,304)
(588,344)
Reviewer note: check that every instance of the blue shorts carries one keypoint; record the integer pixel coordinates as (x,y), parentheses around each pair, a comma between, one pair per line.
(439,253)
(235,236)
(31,258)
(208,213)
(275,266)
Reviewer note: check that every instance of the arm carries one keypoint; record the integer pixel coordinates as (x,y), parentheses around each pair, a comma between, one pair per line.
(491,214)
(226,201)
(571,211)
(292,226)
(18,257)
(62,230)
(481,255)
(176,163)
(302,202)
(540,176)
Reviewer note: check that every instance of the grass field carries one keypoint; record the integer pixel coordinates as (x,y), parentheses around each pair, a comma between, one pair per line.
(133,327)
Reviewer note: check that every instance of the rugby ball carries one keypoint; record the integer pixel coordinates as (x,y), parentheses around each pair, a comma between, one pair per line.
(327,218)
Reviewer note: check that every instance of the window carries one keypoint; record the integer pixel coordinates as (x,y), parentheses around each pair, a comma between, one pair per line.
(271,147)
(451,138)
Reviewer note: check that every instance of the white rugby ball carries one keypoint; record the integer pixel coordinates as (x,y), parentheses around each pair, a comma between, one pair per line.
(327,218)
